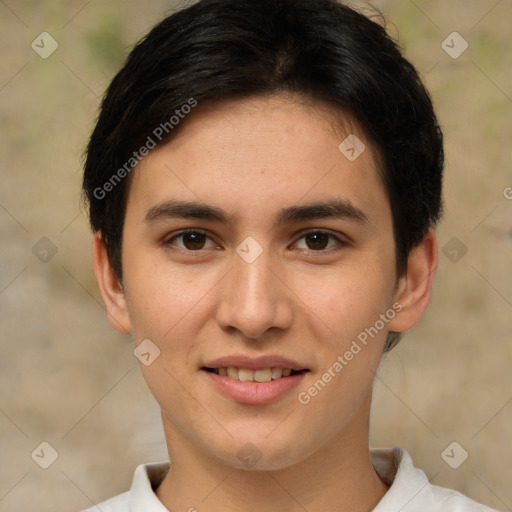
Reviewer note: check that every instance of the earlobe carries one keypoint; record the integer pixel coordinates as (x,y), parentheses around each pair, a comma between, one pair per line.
(415,287)
(111,289)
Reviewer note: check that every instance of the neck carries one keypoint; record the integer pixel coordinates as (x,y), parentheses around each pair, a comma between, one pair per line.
(338,477)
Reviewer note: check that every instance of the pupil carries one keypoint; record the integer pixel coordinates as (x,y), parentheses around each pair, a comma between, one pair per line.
(196,240)
(315,237)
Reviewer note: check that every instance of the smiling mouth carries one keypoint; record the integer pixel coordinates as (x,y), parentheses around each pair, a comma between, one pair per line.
(248,375)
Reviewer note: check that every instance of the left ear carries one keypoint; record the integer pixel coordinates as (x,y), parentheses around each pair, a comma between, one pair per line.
(415,287)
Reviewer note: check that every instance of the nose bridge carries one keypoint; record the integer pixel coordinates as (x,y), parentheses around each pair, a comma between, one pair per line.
(253,278)
(253,299)
(254,290)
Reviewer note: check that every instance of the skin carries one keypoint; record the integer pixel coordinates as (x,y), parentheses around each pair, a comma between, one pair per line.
(297,300)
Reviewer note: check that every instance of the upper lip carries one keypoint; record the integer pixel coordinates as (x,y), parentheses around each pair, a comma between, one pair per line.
(255,363)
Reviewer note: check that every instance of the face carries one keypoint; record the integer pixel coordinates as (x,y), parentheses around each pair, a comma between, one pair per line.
(256,256)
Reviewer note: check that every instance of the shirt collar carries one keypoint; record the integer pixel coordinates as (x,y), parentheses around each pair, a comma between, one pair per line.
(145,481)
(409,491)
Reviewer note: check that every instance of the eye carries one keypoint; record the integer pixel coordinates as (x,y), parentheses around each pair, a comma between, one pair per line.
(192,240)
(318,240)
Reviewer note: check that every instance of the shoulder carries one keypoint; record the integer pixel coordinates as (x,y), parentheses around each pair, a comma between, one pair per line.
(410,489)
(120,503)
(141,497)
(448,500)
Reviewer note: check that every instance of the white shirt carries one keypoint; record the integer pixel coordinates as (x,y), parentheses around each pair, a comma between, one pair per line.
(410,490)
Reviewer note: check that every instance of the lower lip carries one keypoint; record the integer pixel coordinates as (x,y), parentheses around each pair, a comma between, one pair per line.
(255,393)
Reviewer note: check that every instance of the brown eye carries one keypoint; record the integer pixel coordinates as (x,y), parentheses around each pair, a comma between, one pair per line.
(317,241)
(193,241)
(190,240)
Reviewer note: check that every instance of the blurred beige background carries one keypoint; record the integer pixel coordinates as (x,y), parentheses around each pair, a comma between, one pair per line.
(68,379)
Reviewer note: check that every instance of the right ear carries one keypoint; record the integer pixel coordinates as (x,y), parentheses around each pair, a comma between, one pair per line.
(110,287)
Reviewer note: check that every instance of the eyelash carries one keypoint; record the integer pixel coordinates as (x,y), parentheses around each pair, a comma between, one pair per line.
(341,243)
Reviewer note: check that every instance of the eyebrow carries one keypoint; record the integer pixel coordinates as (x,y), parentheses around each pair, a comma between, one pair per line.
(335,208)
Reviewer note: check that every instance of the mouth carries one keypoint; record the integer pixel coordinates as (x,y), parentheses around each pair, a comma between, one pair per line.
(249,375)
(254,381)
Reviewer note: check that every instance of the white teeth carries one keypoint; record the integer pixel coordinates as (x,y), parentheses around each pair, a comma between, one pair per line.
(233,373)
(263,375)
(276,373)
(247,375)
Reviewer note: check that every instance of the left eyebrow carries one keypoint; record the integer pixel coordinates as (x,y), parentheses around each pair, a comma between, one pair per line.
(335,208)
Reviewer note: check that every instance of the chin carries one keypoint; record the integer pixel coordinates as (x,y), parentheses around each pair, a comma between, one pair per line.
(259,453)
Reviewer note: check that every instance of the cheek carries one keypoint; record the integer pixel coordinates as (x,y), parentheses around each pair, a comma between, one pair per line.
(346,300)
(159,297)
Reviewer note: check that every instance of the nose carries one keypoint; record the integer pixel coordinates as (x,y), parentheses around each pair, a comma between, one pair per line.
(255,298)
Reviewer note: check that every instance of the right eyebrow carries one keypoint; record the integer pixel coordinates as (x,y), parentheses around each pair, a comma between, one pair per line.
(187,210)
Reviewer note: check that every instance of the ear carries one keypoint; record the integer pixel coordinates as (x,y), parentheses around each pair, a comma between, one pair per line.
(110,287)
(415,287)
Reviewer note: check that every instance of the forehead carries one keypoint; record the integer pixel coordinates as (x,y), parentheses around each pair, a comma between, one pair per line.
(260,153)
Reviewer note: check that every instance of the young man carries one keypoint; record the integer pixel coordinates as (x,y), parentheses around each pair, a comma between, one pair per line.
(263,182)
